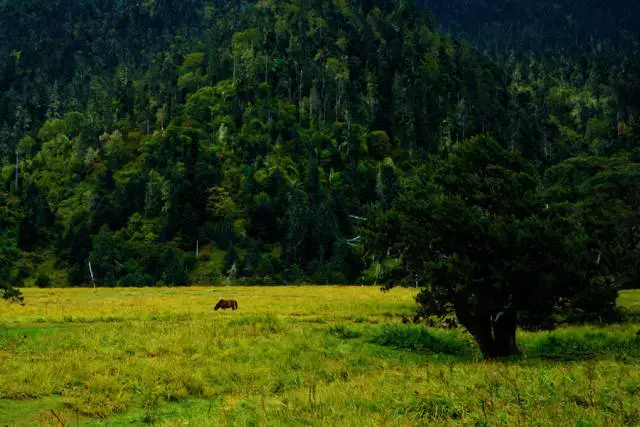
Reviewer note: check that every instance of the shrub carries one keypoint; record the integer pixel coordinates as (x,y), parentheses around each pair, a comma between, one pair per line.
(77,275)
(581,344)
(205,257)
(136,279)
(43,280)
(415,337)
(344,332)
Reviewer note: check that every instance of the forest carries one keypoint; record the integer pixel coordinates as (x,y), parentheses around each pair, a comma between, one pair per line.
(387,142)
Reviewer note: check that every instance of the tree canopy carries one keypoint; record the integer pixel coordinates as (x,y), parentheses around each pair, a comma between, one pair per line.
(480,237)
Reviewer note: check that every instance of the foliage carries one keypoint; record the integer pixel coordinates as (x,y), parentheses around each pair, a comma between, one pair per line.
(482,244)
(603,194)
(43,280)
(257,136)
(9,253)
(137,133)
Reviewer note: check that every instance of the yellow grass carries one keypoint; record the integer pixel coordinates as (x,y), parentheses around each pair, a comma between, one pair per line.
(292,356)
(329,302)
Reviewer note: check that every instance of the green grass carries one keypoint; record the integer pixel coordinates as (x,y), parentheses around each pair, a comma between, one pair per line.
(209,269)
(295,356)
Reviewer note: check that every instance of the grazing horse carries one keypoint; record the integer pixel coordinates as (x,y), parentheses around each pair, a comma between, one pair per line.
(227,303)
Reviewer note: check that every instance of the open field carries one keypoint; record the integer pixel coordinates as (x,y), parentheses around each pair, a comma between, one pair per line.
(294,356)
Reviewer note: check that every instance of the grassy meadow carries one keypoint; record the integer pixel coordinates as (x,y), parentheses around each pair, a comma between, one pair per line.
(295,356)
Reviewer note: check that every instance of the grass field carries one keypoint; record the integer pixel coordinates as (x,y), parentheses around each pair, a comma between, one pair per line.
(295,356)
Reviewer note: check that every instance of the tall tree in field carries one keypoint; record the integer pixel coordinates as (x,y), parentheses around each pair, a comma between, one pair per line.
(481,243)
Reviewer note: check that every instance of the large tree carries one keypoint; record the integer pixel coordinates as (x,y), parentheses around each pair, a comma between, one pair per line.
(479,239)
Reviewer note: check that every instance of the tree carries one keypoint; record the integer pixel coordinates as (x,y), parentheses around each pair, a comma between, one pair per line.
(480,241)
(109,253)
(283,121)
(8,273)
(605,196)
(9,253)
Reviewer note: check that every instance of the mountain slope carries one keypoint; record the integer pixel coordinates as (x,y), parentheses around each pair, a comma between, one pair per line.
(171,142)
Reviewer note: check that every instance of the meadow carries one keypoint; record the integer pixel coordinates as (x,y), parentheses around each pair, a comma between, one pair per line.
(299,355)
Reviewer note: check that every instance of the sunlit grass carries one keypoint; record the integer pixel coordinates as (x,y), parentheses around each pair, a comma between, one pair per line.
(294,356)
(109,304)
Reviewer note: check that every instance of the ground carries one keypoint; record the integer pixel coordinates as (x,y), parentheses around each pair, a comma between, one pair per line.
(295,356)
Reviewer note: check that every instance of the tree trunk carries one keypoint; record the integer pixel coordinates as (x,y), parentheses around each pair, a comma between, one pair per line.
(496,338)
(482,333)
(504,332)
(17,170)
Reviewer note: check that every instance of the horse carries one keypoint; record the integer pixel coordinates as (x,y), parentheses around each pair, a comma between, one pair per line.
(227,303)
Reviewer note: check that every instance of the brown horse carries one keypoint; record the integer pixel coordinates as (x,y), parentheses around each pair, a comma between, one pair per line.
(227,303)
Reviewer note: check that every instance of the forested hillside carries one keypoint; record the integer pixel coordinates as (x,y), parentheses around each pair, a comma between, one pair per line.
(180,142)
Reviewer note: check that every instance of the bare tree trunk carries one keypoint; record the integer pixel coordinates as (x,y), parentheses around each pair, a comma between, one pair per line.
(310,109)
(300,96)
(93,279)
(504,333)
(496,338)
(323,115)
(17,170)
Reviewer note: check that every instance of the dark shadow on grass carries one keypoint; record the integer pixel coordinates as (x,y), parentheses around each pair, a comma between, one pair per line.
(579,346)
(344,332)
(564,346)
(420,338)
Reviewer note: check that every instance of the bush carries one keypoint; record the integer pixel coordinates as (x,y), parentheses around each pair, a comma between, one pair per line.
(294,274)
(344,332)
(595,303)
(204,257)
(268,266)
(178,266)
(24,270)
(417,337)
(136,280)
(581,344)
(43,280)
(77,275)
(247,281)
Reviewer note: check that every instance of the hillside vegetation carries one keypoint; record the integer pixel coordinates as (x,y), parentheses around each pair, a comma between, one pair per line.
(266,136)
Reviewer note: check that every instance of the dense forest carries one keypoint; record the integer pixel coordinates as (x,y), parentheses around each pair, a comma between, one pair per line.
(544,27)
(166,142)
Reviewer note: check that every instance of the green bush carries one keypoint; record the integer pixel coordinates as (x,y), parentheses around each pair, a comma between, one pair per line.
(204,257)
(43,280)
(136,280)
(344,332)
(417,337)
(582,344)
(77,275)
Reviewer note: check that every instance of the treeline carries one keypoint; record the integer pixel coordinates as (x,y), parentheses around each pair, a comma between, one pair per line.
(194,142)
(540,27)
